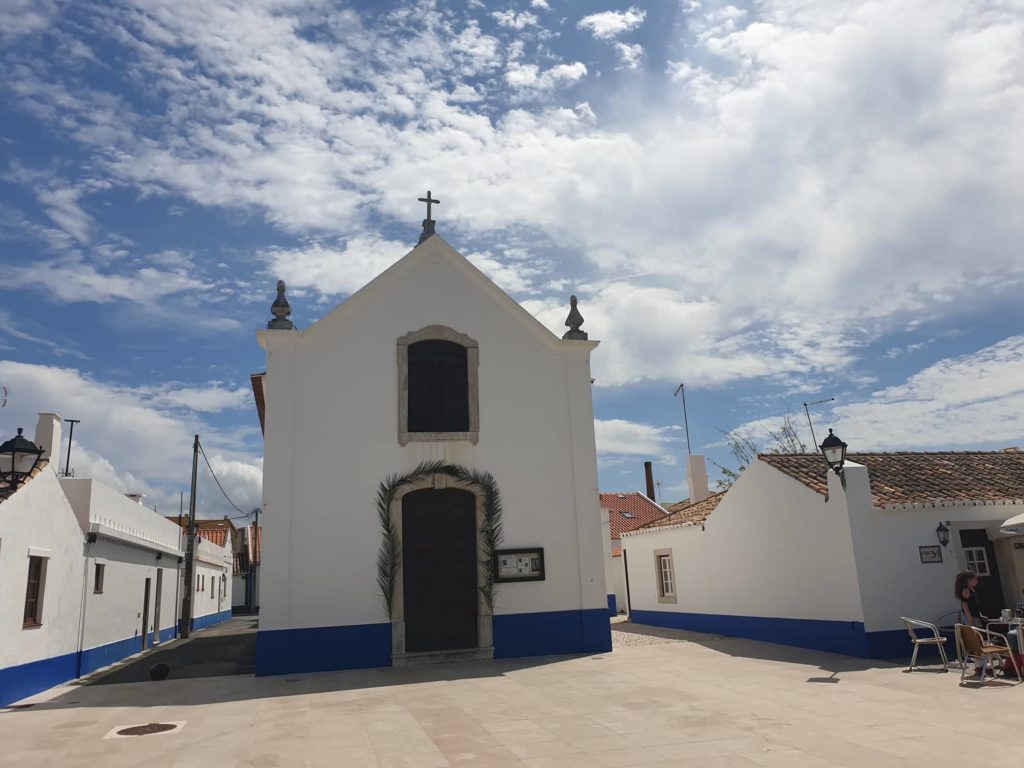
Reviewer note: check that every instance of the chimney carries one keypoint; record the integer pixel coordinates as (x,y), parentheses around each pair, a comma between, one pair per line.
(697,478)
(48,432)
(136,497)
(649,474)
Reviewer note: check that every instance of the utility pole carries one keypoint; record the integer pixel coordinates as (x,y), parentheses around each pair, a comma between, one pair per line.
(686,423)
(71,435)
(190,552)
(253,564)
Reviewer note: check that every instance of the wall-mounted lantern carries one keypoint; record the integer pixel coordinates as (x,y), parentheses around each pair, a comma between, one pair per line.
(942,533)
(834,451)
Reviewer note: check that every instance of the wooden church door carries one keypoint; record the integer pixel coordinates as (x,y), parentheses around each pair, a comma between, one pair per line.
(439,562)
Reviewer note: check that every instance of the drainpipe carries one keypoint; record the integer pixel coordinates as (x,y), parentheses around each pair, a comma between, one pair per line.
(89,540)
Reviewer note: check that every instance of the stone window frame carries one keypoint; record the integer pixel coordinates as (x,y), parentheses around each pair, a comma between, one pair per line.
(662,597)
(438,333)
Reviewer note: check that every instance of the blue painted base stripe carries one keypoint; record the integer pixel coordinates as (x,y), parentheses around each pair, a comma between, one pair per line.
(846,637)
(321,649)
(210,619)
(551,633)
(612,611)
(35,676)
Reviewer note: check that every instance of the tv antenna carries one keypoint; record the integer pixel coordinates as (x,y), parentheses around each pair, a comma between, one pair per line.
(71,436)
(807,410)
(681,389)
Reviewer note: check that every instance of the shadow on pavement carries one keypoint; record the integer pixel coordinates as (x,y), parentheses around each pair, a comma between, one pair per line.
(216,665)
(226,649)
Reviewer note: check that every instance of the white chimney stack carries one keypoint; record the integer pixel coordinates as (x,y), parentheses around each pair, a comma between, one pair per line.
(697,478)
(48,433)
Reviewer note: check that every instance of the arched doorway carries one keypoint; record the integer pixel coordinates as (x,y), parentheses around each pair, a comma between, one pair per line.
(440,566)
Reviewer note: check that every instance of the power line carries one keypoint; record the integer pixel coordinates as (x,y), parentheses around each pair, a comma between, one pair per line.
(243,514)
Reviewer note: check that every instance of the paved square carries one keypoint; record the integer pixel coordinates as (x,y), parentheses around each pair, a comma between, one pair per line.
(654,701)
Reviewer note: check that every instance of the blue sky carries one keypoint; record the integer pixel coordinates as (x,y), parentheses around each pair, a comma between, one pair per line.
(774,202)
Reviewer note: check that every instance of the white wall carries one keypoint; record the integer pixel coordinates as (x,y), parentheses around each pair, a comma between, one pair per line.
(331,438)
(619,583)
(39,516)
(892,578)
(772,548)
(213,568)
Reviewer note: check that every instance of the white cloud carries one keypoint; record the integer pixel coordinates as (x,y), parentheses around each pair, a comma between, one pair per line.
(618,438)
(541,4)
(514,20)
(137,439)
(629,55)
(609,24)
(335,271)
(76,280)
(975,400)
(521,75)
(799,162)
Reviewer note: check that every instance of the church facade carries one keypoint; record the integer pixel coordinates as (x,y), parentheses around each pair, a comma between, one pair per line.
(430,477)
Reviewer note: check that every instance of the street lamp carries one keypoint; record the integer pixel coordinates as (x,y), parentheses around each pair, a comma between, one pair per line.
(18,457)
(942,532)
(834,451)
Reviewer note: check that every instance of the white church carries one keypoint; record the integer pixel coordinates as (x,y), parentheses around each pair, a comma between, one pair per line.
(430,477)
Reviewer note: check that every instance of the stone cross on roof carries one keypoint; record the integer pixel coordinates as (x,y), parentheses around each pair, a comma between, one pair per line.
(428,223)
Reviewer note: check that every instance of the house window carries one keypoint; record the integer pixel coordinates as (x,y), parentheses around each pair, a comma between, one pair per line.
(97,578)
(976,559)
(34,592)
(438,387)
(437,393)
(665,576)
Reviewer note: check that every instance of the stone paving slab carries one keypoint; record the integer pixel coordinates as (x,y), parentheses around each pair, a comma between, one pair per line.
(689,701)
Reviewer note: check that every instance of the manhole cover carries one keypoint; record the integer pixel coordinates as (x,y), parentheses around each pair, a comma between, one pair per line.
(147,729)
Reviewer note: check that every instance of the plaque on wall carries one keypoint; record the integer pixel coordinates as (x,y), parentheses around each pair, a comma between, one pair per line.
(519,564)
(931,554)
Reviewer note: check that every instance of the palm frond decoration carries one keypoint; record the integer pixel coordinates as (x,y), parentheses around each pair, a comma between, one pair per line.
(389,557)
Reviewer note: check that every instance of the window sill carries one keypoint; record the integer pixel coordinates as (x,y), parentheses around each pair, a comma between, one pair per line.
(430,437)
(671,599)
(32,625)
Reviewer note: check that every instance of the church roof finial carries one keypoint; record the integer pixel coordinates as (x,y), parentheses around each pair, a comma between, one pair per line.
(428,223)
(574,321)
(280,309)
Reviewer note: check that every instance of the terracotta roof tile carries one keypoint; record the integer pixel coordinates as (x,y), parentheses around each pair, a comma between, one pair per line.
(920,478)
(255,540)
(629,511)
(685,513)
(215,530)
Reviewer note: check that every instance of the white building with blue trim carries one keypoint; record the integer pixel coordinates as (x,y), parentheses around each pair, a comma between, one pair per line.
(789,555)
(430,477)
(90,577)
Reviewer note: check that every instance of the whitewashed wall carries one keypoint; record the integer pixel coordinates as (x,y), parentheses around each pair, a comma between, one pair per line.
(213,564)
(331,438)
(772,548)
(893,581)
(619,583)
(38,518)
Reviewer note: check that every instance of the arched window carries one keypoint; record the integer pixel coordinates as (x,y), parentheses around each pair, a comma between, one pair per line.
(437,398)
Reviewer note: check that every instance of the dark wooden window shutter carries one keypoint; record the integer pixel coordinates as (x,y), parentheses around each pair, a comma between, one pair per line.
(438,387)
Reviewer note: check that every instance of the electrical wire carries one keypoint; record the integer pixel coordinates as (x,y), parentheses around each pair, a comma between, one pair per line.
(209,467)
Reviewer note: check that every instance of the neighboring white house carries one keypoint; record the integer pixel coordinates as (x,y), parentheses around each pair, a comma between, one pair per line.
(89,576)
(132,564)
(41,575)
(211,601)
(787,555)
(623,512)
(434,388)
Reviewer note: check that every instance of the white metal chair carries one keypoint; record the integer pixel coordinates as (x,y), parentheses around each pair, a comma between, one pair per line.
(913,627)
(976,644)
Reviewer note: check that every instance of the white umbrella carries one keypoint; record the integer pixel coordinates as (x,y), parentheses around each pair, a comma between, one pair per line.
(1017,521)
